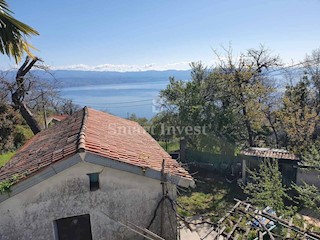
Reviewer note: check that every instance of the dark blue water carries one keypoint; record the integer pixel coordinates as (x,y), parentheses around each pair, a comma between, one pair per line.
(119,99)
(120,93)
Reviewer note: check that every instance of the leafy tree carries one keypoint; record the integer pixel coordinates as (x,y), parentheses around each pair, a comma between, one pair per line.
(183,103)
(60,105)
(144,122)
(229,100)
(309,195)
(298,116)
(244,88)
(312,73)
(265,187)
(12,134)
(13,34)
(157,127)
(30,95)
(7,124)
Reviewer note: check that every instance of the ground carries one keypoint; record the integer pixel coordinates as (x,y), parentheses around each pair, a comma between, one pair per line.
(213,196)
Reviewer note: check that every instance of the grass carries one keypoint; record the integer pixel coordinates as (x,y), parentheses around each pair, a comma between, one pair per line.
(171,146)
(23,133)
(212,197)
(4,158)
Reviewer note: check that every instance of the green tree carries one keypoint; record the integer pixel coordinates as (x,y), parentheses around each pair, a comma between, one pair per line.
(8,120)
(298,116)
(229,100)
(309,195)
(265,187)
(13,34)
(13,133)
(244,88)
(184,105)
(144,122)
(312,73)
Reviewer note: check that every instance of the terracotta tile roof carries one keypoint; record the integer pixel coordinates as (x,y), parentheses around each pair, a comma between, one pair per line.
(96,132)
(269,153)
(46,147)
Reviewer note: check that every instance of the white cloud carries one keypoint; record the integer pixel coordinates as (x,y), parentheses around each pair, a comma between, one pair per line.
(125,68)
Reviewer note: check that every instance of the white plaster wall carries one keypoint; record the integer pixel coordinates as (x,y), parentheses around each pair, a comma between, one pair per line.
(122,197)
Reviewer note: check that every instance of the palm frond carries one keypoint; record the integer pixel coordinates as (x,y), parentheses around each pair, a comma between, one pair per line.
(13,34)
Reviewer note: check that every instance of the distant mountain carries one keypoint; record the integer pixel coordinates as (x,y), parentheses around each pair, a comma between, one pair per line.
(184,65)
(77,78)
(71,78)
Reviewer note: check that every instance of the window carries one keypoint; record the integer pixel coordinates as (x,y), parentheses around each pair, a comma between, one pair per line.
(75,228)
(94,181)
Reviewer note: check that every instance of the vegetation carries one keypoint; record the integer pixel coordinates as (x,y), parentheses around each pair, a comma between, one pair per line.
(5,186)
(238,103)
(13,131)
(4,158)
(26,92)
(13,34)
(234,104)
(212,197)
(265,188)
(171,146)
(228,99)
(309,195)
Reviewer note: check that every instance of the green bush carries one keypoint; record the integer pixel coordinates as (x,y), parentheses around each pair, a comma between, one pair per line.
(21,135)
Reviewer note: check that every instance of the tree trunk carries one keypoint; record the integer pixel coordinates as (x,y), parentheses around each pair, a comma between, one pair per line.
(19,94)
(29,118)
(183,148)
(273,129)
(248,126)
(244,112)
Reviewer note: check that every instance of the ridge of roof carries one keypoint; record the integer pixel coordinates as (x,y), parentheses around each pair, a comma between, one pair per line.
(82,132)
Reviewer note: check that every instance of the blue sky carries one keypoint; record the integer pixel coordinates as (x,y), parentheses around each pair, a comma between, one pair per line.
(165,31)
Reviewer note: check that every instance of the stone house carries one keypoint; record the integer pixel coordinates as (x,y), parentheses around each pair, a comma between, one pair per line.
(91,176)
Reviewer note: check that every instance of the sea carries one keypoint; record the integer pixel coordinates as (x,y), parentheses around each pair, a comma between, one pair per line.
(121,94)
(121,99)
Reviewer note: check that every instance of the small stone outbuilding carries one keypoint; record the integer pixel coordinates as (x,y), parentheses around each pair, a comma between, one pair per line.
(287,161)
(91,176)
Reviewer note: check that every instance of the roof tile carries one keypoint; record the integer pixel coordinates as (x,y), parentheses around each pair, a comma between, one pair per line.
(92,131)
(269,153)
